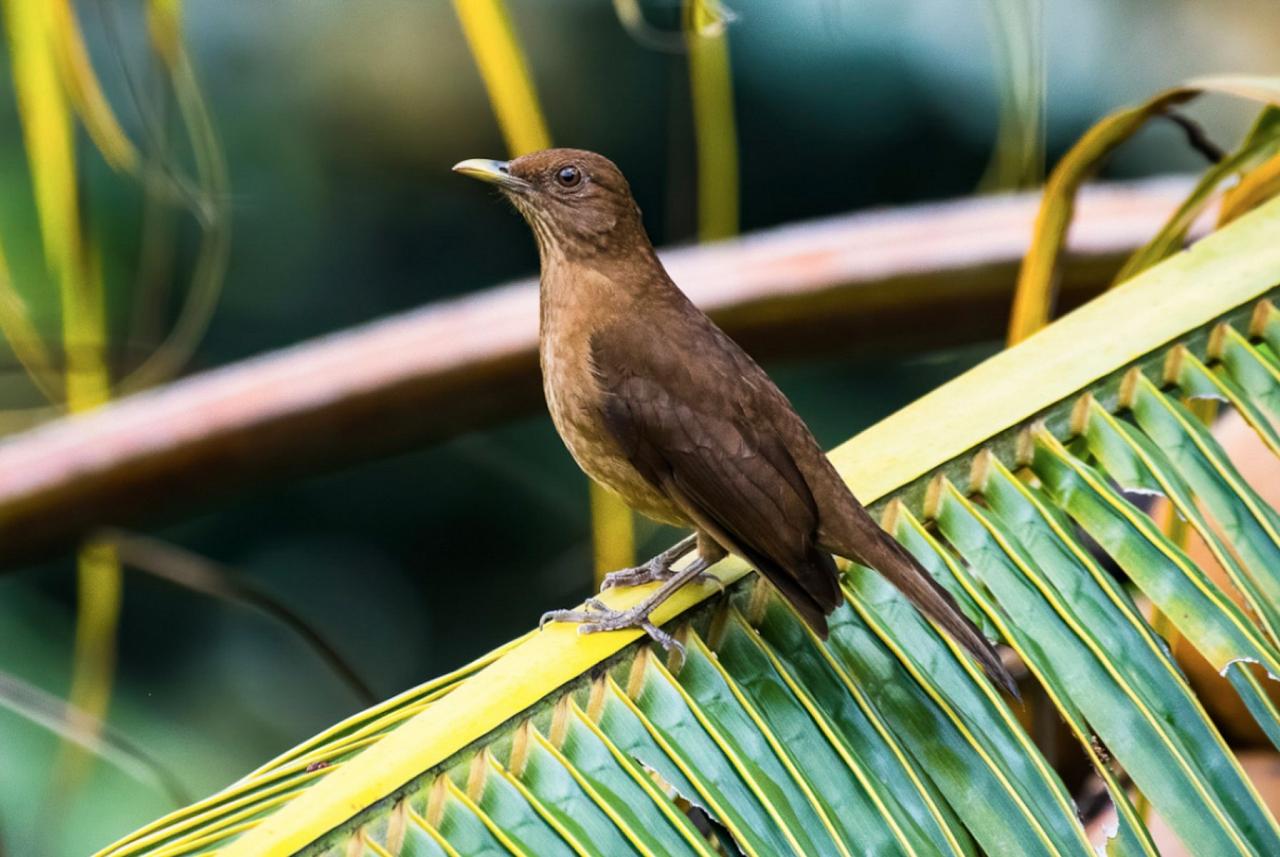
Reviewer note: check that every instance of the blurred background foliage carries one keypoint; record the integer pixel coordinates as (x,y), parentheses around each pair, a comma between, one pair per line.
(338,122)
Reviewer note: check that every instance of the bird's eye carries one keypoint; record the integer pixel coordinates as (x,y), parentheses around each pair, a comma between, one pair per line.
(568,176)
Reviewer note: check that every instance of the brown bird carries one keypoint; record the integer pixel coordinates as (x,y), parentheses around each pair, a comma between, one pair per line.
(657,404)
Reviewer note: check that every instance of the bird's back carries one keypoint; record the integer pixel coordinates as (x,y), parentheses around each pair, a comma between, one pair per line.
(841,525)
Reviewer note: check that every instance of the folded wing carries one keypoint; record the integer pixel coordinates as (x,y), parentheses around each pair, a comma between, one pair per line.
(693,437)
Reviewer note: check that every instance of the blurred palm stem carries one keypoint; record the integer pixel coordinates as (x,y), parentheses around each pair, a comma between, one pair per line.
(46,55)
(715,130)
(24,340)
(925,276)
(502,66)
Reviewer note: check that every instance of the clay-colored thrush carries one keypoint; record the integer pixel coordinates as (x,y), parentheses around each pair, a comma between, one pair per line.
(657,404)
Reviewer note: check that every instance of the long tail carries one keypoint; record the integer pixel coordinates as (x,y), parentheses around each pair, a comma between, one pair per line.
(876,548)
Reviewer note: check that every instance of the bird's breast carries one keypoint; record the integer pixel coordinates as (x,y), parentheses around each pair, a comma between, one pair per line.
(574,398)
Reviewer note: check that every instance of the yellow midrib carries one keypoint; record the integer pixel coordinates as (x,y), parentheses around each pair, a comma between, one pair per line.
(1156,308)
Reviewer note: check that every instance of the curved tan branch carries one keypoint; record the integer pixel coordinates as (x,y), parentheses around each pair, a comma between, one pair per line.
(923,276)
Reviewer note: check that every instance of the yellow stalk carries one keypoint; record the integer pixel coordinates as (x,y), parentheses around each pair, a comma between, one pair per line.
(47,132)
(515,102)
(85,91)
(47,126)
(100,579)
(164,25)
(715,132)
(506,74)
(99,590)
(612,532)
(84,336)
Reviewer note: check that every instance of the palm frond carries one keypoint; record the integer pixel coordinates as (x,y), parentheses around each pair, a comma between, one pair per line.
(1033,299)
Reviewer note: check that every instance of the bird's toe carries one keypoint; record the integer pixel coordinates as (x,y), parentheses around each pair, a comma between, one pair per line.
(637,576)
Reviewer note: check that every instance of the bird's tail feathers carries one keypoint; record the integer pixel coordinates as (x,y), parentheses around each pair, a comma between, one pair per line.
(882,552)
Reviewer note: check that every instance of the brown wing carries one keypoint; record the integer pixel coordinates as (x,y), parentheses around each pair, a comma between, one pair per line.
(685,422)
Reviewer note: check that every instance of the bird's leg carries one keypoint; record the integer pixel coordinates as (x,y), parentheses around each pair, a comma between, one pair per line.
(599,618)
(658,568)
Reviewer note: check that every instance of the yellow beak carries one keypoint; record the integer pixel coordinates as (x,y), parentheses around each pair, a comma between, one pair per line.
(493,172)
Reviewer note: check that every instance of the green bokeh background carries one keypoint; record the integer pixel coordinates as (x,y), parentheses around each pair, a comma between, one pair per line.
(340,119)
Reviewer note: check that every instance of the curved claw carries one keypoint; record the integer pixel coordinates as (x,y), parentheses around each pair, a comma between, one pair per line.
(594,608)
(662,638)
(564,616)
(708,577)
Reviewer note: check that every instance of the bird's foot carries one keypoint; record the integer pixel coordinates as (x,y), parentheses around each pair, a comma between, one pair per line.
(597,617)
(657,569)
(650,573)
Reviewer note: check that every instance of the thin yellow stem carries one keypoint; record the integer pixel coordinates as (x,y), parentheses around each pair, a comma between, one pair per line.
(46,129)
(164,25)
(99,594)
(492,40)
(99,575)
(37,38)
(715,129)
(515,103)
(613,535)
(23,338)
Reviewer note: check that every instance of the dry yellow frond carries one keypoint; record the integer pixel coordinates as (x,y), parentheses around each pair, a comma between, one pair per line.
(1033,298)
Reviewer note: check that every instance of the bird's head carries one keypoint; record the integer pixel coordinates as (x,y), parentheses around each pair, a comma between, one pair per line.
(577,202)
